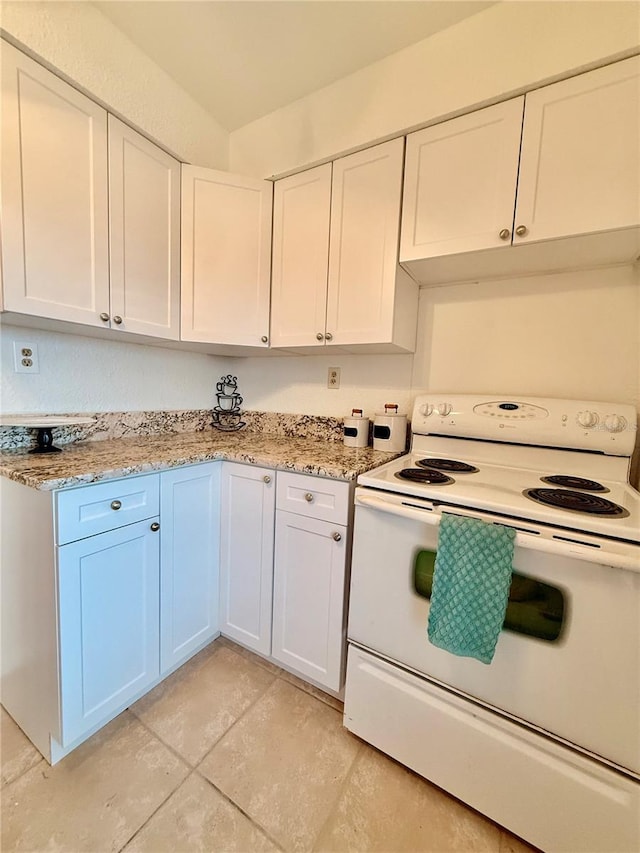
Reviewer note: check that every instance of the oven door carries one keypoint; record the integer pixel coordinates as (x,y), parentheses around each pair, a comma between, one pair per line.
(582,685)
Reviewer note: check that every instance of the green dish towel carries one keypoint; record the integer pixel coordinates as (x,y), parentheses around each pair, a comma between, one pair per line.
(470,586)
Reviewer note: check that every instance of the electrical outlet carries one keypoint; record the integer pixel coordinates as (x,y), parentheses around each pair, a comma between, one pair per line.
(25,357)
(333,378)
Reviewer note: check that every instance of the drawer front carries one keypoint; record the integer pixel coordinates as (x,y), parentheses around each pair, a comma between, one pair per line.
(105,506)
(315,497)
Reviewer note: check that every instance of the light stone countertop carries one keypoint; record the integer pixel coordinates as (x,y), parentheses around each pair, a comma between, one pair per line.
(93,461)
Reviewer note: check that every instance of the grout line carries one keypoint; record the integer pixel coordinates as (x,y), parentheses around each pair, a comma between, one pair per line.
(347,779)
(235,722)
(155,812)
(235,805)
(168,746)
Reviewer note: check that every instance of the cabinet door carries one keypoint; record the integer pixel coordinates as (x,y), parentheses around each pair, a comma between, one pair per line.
(460,183)
(365,221)
(308,597)
(108,598)
(301,206)
(226,255)
(144,236)
(54,195)
(246,554)
(189,537)
(580,163)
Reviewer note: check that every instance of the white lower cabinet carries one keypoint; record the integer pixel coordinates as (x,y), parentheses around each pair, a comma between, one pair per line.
(308,597)
(117,585)
(108,623)
(108,587)
(246,554)
(189,538)
(283,595)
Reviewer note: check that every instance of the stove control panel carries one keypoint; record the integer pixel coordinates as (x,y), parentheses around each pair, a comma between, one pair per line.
(579,424)
(509,410)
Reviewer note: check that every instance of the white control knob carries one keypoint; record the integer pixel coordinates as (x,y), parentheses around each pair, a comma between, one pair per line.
(614,423)
(587,419)
(443,409)
(426,410)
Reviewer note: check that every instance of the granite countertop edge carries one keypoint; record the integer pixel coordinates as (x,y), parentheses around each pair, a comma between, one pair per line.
(83,463)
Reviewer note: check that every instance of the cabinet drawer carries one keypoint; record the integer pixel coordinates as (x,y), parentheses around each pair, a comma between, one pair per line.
(104,506)
(315,497)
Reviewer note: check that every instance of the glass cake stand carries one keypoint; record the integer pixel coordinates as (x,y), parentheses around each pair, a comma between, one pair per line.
(44,424)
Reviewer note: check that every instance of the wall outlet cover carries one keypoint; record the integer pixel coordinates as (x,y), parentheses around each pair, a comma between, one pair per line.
(25,357)
(333,378)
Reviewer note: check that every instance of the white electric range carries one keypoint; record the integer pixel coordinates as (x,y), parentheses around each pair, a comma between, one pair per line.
(557,712)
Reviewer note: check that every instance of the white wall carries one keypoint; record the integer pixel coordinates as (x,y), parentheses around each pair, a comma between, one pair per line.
(503,50)
(79,41)
(573,334)
(80,374)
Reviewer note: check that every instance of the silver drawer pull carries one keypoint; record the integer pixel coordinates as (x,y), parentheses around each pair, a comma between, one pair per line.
(308,497)
(116,504)
(266,479)
(155,526)
(336,536)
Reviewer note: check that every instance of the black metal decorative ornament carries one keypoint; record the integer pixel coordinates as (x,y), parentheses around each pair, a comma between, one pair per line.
(227,414)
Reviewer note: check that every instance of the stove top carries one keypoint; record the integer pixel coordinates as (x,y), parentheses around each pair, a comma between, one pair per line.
(535,459)
(506,490)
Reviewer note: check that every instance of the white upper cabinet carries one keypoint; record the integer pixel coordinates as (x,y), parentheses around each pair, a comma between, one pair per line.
(578,183)
(580,164)
(144,219)
(369,299)
(336,279)
(226,253)
(461,183)
(54,196)
(301,215)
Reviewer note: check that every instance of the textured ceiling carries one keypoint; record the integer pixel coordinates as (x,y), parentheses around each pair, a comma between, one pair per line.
(242,59)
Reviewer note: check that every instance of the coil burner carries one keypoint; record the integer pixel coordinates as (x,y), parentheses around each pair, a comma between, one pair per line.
(425,475)
(451,465)
(576,502)
(575,483)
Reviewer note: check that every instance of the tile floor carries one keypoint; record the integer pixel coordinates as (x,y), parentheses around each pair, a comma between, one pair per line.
(230,753)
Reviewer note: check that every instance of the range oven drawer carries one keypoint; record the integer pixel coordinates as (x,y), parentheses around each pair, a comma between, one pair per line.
(583,687)
(547,793)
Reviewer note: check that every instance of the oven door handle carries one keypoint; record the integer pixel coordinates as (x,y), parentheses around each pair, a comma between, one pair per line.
(532,540)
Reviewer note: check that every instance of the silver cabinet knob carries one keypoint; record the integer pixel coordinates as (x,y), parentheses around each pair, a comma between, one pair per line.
(155,527)
(264,339)
(308,497)
(266,479)
(117,320)
(521,230)
(104,317)
(319,336)
(116,504)
(504,234)
(336,536)
(328,336)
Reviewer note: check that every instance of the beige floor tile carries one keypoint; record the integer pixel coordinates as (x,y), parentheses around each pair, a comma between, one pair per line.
(96,798)
(511,844)
(249,655)
(196,705)
(199,819)
(282,673)
(384,808)
(17,752)
(284,763)
(313,690)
